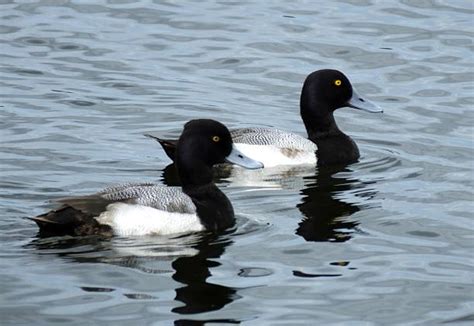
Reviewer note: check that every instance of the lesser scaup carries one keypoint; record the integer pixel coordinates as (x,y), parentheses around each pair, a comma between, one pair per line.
(324,91)
(142,209)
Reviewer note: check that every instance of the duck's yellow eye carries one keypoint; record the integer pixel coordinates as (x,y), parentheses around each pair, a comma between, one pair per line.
(337,82)
(215,139)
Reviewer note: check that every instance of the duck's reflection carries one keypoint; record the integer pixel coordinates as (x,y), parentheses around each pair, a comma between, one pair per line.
(325,206)
(191,257)
(197,294)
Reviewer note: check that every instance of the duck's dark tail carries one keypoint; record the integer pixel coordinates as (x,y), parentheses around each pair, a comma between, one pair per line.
(69,221)
(169,145)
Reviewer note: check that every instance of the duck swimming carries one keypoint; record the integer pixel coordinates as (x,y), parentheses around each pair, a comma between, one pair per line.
(324,91)
(145,208)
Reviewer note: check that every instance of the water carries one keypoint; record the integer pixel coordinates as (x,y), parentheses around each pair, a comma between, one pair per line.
(387,240)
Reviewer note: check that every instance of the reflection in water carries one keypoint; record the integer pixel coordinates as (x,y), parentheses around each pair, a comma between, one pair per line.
(326,214)
(197,294)
(192,258)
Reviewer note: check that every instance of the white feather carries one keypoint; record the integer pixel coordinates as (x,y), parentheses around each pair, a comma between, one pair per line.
(271,155)
(138,220)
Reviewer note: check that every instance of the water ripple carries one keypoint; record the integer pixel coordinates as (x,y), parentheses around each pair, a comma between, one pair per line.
(388,239)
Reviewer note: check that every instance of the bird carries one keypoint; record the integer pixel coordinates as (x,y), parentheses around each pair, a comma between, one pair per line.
(138,209)
(324,91)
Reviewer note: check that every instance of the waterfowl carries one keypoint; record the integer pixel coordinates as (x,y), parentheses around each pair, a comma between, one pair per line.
(324,91)
(145,208)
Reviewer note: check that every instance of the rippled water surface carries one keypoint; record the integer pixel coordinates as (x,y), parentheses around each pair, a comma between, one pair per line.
(388,240)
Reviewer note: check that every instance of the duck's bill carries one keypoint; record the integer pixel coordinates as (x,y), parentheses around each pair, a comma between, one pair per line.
(358,102)
(238,158)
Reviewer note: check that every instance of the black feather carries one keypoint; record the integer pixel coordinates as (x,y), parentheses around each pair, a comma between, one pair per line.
(169,145)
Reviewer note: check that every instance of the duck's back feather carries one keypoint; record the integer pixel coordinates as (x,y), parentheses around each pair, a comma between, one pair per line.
(272,137)
(170,199)
(274,147)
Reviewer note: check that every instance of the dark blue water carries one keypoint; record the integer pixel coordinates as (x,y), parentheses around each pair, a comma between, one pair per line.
(388,240)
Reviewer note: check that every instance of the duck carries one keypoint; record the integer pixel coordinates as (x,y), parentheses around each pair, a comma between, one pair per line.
(138,209)
(324,91)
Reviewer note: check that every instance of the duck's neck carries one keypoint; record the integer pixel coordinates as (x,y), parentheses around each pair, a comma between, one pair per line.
(319,123)
(193,173)
(334,146)
(212,206)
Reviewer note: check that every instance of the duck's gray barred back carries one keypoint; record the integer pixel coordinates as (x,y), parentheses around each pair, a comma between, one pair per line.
(171,199)
(275,137)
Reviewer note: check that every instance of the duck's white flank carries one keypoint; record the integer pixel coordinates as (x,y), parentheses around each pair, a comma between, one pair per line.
(137,220)
(271,155)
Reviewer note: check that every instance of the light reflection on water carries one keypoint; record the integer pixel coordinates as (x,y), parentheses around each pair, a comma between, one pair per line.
(386,240)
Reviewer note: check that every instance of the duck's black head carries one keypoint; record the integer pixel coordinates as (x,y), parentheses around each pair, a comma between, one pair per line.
(205,140)
(325,91)
(203,143)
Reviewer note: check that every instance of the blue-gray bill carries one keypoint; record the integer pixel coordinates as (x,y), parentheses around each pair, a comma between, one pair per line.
(238,158)
(358,102)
